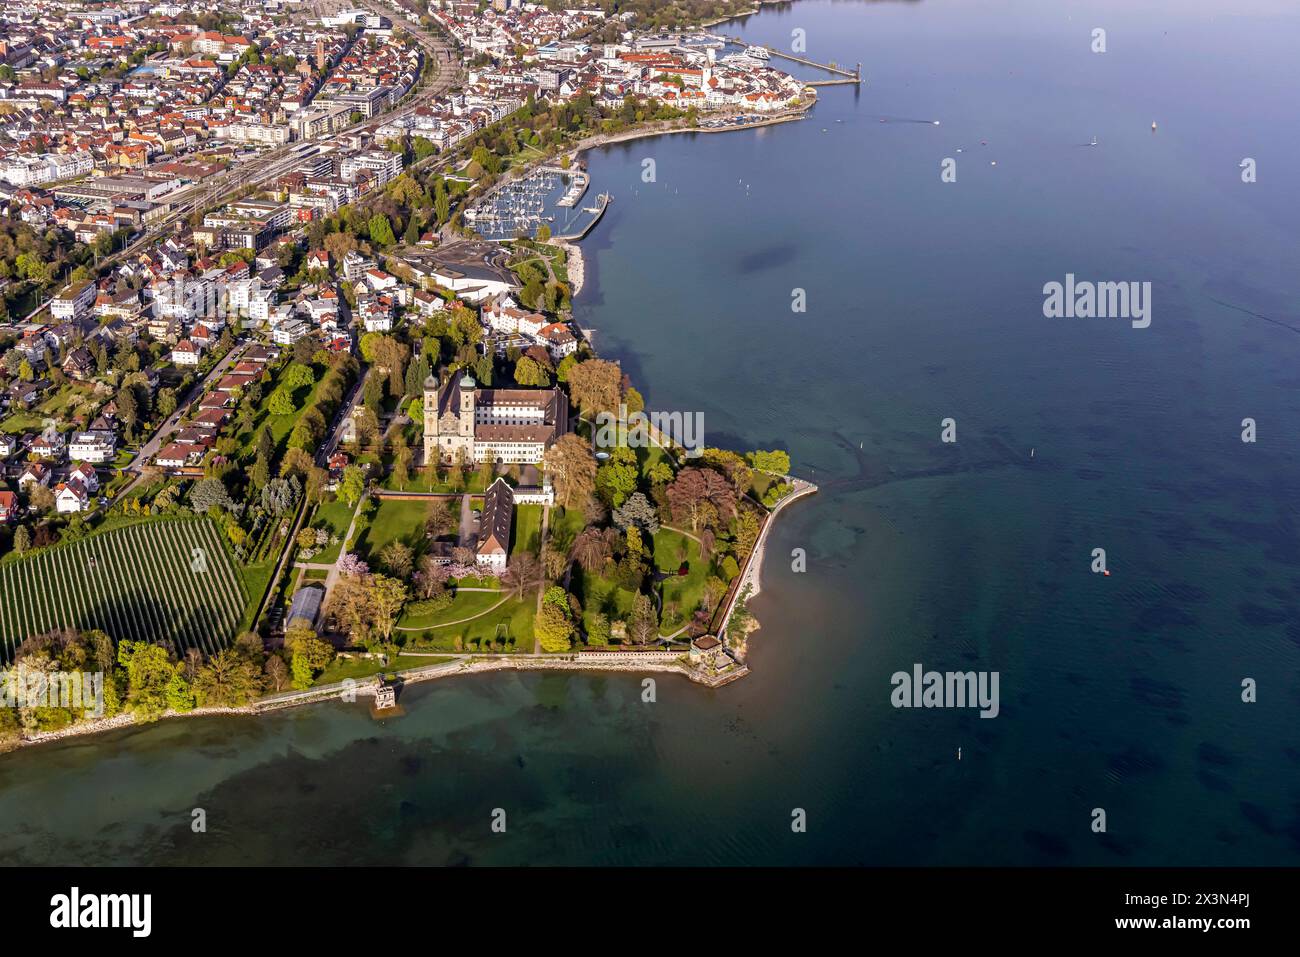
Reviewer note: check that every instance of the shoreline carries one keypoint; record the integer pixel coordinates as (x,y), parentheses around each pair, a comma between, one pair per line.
(598,140)
(747,582)
(649,662)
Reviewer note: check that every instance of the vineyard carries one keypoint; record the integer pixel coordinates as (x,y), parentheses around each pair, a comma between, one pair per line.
(170,579)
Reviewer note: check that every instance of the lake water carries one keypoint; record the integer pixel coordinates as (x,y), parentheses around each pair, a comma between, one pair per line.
(924,302)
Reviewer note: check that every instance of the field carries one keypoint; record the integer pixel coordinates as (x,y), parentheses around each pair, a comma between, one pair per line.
(394,520)
(335,516)
(527,531)
(138,581)
(681,594)
(511,623)
(466,604)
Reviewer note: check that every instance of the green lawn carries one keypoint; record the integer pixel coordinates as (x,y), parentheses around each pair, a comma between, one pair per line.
(257,578)
(527,532)
(341,669)
(335,516)
(278,425)
(513,620)
(420,481)
(394,520)
(565,526)
(465,605)
(600,594)
(22,422)
(680,593)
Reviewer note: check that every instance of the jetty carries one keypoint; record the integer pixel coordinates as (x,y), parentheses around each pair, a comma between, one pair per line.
(847,76)
(578,183)
(597,211)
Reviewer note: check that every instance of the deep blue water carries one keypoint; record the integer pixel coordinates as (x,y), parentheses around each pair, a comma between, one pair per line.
(924,303)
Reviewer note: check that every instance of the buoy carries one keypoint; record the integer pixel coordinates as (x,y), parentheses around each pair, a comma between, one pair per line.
(959,754)
(1106,573)
(1153,124)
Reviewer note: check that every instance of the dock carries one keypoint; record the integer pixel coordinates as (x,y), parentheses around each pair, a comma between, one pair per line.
(597,211)
(578,183)
(847,76)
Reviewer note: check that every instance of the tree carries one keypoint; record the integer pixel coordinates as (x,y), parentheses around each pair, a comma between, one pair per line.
(598,629)
(735,468)
(154,680)
(350,603)
(595,385)
(522,575)
(41,497)
(637,512)
(228,680)
(695,488)
(260,473)
(387,595)
(381,230)
(528,372)
(776,461)
(397,559)
(309,655)
(573,469)
(277,673)
(281,403)
(617,478)
(207,493)
(22,540)
(590,550)
(297,376)
(643,626)
(659,473)
(352,485)
(554,561)
(553,629)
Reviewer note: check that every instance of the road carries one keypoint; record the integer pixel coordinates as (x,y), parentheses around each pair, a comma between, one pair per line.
(276,162)
(155,443)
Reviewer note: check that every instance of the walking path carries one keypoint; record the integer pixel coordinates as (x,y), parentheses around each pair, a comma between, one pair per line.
(541,588)
(751,576)
(155,443)
(459,621)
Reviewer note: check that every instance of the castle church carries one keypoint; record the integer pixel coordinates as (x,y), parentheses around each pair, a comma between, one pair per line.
(503,426)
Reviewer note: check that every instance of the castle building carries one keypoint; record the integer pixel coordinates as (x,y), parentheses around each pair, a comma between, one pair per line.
(502,426)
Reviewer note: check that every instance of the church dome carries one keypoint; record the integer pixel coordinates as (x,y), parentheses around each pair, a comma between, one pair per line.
(468,382)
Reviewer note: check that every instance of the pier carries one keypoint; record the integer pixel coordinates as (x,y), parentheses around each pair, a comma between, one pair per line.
(848,76)
(597,211)
(578,183)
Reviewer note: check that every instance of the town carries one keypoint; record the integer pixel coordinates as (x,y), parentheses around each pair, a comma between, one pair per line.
(291,392)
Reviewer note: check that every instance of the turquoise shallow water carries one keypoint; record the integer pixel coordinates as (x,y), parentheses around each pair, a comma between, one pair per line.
(924,302)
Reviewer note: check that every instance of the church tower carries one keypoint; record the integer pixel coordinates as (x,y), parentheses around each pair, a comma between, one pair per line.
(431,420)
(467,395)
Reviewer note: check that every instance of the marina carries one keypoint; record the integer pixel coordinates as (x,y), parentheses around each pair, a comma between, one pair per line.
(548,196)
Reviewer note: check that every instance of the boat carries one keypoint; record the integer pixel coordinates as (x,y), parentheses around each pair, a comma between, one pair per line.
(1094,141)
(758,53)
